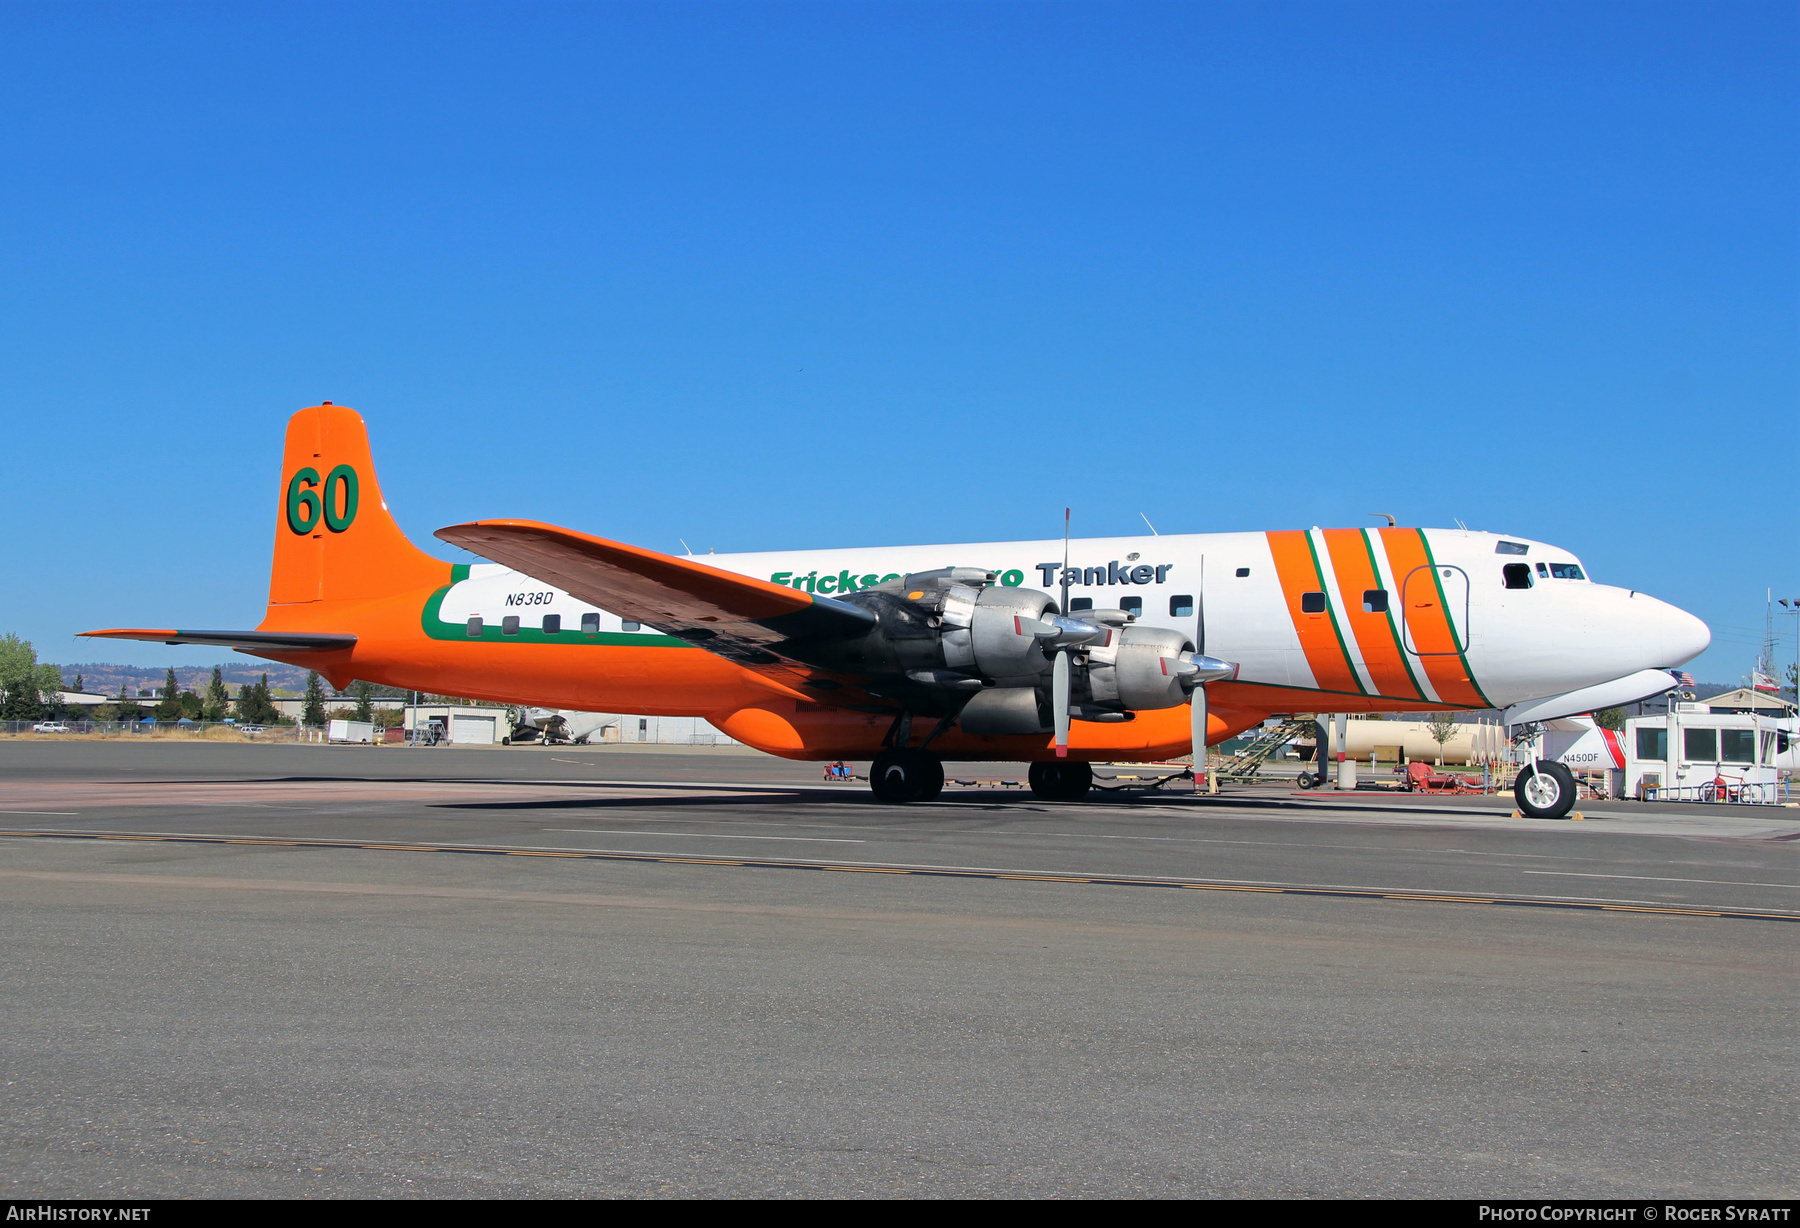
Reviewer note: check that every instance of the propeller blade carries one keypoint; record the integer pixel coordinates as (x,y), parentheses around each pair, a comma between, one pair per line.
(1197,732)
(1059,700)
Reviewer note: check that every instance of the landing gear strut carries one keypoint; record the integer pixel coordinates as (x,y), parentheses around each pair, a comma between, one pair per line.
(1061,782)
(900,776)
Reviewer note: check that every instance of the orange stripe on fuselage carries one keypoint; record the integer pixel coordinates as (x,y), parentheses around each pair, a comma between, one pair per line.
(1318,637)
(1427,620)
(1374,633)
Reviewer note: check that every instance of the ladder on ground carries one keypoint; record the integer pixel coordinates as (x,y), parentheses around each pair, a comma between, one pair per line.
(1242,767)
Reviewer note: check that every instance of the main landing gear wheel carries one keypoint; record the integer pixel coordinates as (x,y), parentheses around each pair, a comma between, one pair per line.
(900,776)
(1061,782)
(1546,793)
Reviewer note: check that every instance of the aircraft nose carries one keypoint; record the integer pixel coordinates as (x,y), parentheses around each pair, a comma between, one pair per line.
(1678,636)
(1686,637)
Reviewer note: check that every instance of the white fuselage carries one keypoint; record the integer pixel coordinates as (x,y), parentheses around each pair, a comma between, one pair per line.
(1345,612)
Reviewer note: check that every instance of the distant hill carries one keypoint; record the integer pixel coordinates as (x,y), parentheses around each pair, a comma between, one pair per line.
(104,678)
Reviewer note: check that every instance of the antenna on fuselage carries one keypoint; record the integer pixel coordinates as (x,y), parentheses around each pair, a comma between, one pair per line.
(1390,517)
(1153,531)
(685,546)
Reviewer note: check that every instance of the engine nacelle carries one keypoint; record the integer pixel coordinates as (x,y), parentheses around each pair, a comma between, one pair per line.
(984,633)
(954,621)
(954,642)
(1007,711)
(1128,671)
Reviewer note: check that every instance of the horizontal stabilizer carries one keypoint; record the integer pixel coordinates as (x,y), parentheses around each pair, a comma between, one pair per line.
(245,641)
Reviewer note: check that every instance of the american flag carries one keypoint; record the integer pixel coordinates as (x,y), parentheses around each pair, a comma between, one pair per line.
(1687,679)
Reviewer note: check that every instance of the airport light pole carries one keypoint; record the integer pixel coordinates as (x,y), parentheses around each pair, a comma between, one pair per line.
(1792,610)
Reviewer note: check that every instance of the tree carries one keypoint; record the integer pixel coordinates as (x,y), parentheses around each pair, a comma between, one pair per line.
(217,697)
(1611,718)
(78,685)
(313,712)
(129,709)
(364,692)
(254,705)
(1442,727)
(169,708)
(25,682)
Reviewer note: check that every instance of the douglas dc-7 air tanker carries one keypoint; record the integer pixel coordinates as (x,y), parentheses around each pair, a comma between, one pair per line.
(1056,653)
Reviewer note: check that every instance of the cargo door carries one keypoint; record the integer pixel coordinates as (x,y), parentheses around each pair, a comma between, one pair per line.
(1436,600)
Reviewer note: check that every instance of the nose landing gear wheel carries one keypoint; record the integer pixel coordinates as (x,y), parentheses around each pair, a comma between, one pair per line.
(1060,782)
(1547,793)
(900,776)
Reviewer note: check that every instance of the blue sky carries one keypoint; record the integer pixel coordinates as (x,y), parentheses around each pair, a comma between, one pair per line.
(770,275)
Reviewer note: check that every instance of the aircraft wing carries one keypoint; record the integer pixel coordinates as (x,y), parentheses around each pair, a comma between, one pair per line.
(244,641)
(743,619)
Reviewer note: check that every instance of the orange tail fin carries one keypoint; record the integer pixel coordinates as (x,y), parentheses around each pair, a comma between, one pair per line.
(334,538)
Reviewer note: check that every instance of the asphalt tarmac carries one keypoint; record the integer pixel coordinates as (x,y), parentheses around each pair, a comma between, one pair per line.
(322,971)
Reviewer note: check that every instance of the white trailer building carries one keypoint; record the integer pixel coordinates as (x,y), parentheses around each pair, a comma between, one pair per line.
(1696,755)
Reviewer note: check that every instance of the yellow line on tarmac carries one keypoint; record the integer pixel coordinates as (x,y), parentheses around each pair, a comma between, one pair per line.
(1341,893)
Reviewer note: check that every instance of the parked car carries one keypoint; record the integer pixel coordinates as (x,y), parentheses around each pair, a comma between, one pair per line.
(49,727)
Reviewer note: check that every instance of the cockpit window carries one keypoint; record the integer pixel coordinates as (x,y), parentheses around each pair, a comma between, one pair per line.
(1566,571)
(1518,575)
(1510,548)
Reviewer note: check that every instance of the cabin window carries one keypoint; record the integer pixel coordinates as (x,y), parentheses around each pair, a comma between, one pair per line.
(1242,572)
(1132,605)
(1737,746)
(590,624)
(1375,601)
(1518,575)
(1652,743)
(1566,571)
(552,624)
(1312,603)
(1700,745)
(1181,607)
(628,625)
(475,627)
(1081,603)
(509,625)
(1511,548)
